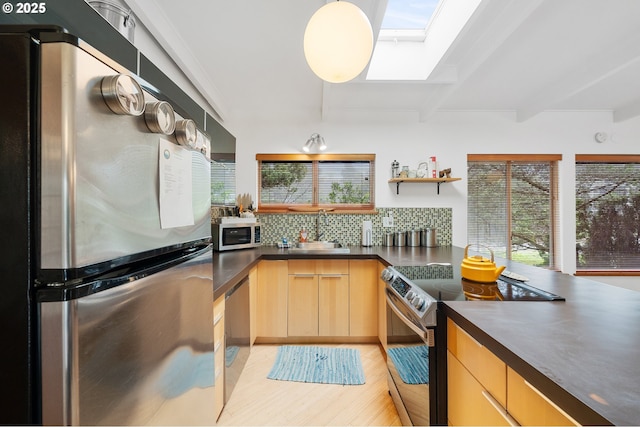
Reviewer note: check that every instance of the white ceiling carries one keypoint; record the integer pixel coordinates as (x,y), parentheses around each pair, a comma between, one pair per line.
(525,56)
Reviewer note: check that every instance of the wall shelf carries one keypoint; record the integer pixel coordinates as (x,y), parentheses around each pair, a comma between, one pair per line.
(438,181)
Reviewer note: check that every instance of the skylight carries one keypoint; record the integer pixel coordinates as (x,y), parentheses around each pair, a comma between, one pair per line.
(408,14)
(414,36)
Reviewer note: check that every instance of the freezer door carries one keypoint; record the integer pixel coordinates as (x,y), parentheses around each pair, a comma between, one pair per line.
(100,174)
(137,354)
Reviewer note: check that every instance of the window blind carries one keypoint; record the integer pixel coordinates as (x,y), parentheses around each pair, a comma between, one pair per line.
(512,206)
(223,182)
(607,213)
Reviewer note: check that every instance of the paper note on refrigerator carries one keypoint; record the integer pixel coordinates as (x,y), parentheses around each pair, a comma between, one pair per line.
(176,192)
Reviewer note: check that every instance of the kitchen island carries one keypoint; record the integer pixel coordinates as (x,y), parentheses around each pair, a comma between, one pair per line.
(581,353)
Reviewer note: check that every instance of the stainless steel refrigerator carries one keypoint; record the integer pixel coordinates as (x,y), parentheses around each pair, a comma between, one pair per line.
(105,256)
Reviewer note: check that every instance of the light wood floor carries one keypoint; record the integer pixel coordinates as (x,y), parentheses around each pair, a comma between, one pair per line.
(258,401)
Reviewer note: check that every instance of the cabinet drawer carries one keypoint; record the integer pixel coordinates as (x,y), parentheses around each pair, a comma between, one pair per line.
(332,266)
(530,407)
(318,266)
(302,266)
(469,403)
(486,367)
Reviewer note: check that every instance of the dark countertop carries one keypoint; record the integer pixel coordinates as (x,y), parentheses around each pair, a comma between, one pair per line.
(582,353)
(230,267)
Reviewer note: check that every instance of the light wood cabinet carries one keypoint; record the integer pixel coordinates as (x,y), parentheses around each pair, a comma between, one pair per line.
(483,390)
(363,298)
(307,298)
(271,307)
(218,354)
(530,407)
(318,298)
(253,304)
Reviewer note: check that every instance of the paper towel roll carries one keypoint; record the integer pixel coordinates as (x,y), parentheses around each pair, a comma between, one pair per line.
(367,233)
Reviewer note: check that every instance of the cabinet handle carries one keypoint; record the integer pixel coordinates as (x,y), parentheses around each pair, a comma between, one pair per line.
(552,403)
(217,318)
(332,275)
(498,407)
(304,275)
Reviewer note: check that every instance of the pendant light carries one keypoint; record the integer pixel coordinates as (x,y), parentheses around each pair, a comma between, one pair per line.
(338,42)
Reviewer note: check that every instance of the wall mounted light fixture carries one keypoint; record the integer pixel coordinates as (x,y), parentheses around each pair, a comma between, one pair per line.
(338,42)
(314,139)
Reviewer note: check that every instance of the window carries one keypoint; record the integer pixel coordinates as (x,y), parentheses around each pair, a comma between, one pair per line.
(607,214)
(223,180)
(512,206)
(311,182)
(408,14)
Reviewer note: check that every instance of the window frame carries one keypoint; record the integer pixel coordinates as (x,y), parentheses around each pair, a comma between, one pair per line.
(315,206)
(509,159)
(606,158)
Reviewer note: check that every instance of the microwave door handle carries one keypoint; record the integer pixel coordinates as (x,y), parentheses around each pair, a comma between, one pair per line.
(421,333)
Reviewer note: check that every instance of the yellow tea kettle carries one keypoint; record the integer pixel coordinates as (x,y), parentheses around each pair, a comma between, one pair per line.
(479,269)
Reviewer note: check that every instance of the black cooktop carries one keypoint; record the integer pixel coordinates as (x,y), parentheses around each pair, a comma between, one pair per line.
(443,282)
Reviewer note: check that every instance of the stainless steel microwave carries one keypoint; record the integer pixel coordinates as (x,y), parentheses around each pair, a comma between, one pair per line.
(236,235)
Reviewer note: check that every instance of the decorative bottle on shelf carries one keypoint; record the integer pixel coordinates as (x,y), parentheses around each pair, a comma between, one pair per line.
(433,167)
(395,169)
(303,235)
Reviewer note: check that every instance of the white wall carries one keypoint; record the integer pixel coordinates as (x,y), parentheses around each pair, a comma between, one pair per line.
(450,137)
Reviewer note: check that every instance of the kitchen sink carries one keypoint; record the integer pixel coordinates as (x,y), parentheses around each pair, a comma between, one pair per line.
(321,247)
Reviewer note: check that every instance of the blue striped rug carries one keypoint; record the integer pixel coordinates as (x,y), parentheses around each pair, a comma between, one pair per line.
(312,364)
(412,363)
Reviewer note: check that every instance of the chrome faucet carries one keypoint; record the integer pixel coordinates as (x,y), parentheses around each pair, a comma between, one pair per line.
(318,233)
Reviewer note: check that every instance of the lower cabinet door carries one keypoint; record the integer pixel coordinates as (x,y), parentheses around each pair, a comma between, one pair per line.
(469,403)
(303,306)
(333,306)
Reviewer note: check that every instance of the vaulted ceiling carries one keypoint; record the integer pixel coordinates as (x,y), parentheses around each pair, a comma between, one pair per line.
(523,56)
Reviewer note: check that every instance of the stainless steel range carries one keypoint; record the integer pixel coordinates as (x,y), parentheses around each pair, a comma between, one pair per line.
(416,335)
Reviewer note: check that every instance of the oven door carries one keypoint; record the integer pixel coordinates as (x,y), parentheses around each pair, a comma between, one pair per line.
(411,364)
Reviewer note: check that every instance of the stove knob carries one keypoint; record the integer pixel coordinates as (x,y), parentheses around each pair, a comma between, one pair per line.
(418,303)
(410,296)
(386,275)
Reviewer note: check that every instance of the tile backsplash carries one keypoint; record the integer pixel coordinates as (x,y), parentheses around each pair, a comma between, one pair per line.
(347,228)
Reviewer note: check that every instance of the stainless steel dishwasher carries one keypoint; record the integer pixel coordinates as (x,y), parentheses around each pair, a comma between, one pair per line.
(237,334)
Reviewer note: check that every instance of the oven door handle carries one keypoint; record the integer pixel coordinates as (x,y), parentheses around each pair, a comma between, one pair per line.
(421,332)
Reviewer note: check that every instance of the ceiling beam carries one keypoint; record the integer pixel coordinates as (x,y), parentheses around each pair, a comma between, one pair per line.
(508,16)
(162,29)
(324,101)
(598,67)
